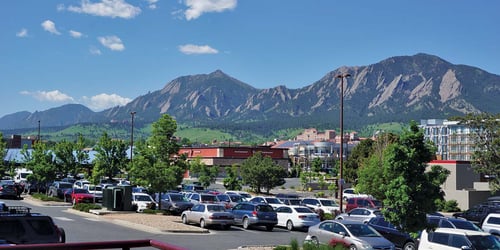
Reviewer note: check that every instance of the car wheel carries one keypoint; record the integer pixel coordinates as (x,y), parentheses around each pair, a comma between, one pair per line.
(202,223)
(289,225)
(246,223)
(353,247)
(409,246)
(62,235)
(184,219)
(315,241)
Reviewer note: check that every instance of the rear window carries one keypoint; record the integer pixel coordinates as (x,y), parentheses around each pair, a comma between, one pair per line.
(303,210)
(264,208)
(494,220)
(65,185)
(11,228)
(42,227)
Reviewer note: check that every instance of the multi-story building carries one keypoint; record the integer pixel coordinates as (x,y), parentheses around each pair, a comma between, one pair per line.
(453,140)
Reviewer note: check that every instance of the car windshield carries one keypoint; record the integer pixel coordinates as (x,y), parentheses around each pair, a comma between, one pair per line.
(264,208)
(377,203)
(484,242)
(236,198)
(178,197)
(224,198)
(362,230)
(303,210)
(95,188)
(273,201)
(65,185)
(143,198)
(328,203)
(216,208)
(209,198)
(466,225)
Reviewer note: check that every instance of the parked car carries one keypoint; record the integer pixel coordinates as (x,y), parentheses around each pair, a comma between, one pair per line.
(8,190)
(296,217)
(359,214)
(351,234)
(291,201)
(323,205)
(446,222)
(96,190)
(477,214)
(80,195)
(175,203)
(457,239)
(245,195)
(230,200)
(491,224)
(400,239)
(362,202)
(141,201)
(196,198)
(250,214)
(208,215)
(57,188)
(272,201)
(348,193)
(80,184)
(19,226)
(192,188)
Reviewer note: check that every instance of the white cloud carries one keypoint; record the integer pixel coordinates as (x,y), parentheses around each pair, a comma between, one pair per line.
(197,7)
(50,26)
(104,101)
(107,8)
(51,96)
(22,33)
(112,43)
(197,49)
(75,34)
(152,4)
(95,51)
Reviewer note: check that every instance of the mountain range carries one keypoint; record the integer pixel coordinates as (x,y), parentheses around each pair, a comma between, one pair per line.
(397,89)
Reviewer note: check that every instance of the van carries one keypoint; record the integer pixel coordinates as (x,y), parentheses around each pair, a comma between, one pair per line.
(365,202)
(22,175)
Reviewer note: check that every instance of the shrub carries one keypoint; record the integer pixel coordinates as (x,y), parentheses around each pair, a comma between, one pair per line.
(86,207)
(44,197)
(149,211)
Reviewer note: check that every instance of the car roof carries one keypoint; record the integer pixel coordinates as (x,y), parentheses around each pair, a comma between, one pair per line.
(459,231)
(346,221)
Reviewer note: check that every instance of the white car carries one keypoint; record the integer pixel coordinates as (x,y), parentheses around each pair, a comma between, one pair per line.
(273,201)
(296,217)
(359,214)
(324,204)
(142,201)
(96,190)
(351,193)
(81,184)
(457,239)
(491,224)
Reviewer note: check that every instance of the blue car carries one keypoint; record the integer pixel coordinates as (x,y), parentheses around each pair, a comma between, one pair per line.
(250,214)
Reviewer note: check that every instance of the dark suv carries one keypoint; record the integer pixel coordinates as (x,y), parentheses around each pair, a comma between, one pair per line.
(255,214)
(58,188)
(19,226)
(477,213)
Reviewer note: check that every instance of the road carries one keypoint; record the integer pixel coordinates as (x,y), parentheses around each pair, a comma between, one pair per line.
(81,228)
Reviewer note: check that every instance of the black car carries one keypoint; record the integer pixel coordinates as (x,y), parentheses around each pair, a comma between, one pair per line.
(19,226)
(401,239)
(8,190)
(460,223)
(477,213)
(175,203)
(58,188)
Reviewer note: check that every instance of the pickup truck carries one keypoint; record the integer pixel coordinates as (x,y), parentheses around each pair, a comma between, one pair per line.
(351,193)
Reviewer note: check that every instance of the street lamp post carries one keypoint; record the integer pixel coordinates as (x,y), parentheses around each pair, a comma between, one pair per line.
(132,140)
(341,180)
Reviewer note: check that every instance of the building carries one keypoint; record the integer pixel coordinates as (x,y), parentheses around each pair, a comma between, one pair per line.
(463,184)
(229,156)
(453,140)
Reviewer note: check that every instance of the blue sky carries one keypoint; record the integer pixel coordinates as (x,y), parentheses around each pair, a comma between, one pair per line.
(103,53)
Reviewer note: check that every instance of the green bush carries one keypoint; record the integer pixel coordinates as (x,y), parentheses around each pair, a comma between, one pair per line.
(44,197)
(86,207)
(150,211)
(447,206)
(311,246)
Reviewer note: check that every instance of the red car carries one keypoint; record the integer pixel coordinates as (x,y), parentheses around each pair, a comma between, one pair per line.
(79,195)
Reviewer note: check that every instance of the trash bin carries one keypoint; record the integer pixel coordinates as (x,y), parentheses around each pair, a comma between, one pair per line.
(117,198)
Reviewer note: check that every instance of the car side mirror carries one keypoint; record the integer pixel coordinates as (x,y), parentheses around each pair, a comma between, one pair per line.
(342,234)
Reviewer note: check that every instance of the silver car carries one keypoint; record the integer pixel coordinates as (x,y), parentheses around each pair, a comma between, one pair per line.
(350,234)
(359,214)
(208,215)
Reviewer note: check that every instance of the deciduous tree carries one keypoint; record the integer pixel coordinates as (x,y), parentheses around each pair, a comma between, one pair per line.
(110,159)
(260,171)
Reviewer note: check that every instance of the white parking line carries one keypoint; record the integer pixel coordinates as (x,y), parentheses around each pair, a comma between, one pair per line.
(63,218)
